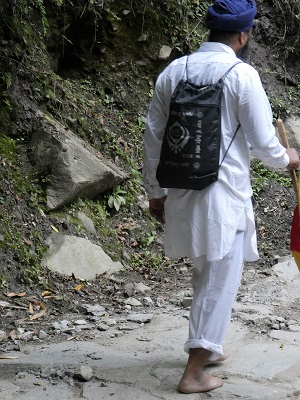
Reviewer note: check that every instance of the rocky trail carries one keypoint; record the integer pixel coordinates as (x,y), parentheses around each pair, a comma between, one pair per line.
(136,353)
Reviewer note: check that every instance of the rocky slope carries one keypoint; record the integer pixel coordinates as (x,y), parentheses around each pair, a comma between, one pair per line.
(94,72)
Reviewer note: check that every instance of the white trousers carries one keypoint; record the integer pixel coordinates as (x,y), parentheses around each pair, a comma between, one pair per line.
(215,288)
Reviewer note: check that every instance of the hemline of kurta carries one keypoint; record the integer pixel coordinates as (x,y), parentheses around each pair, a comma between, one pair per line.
(206,222)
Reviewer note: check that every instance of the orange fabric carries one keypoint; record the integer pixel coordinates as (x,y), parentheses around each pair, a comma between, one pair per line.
(296,256)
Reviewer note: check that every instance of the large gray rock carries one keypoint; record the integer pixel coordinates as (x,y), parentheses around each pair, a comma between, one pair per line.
(77,170)
(73,255)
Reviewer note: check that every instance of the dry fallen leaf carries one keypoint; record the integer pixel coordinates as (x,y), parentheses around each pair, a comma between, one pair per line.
(27,241)
(40,313)
(79,287)
(55,229)
(30,308)
(46,293)
(12,294)
(72,338)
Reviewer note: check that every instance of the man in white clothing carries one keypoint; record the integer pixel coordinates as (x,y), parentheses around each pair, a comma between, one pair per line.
(215,226)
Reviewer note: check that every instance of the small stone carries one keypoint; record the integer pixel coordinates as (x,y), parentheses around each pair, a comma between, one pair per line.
(3,336)
(183,270)
(115,333)
(129,288)
(143,37)
(143,203)
(126,327)
(140,318)
(42,335)
(63,326)
(186,302)
(60,373)
(70,382)
(159,241)
(94,318)
(45,374)
(96,309)
(133,302)
(110,322)
(84,373)
(140,287)
(86,222)
(21,375)
(102,327)
(276,327)
(27,335)
(80,322)
(148,301)
(164,52)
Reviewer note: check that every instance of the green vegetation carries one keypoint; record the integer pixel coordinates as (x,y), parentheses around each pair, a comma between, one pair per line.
(116,199)
(279,106)
(103,101)
(288,12)
(3,281)
(182,19)
(155,260)
(17,236)
(261,176)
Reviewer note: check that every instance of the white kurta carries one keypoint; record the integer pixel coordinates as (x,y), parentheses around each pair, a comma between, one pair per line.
(206,221)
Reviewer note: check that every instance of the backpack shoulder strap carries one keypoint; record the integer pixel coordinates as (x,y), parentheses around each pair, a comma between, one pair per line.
(227,72)
(186,71)
(239,125)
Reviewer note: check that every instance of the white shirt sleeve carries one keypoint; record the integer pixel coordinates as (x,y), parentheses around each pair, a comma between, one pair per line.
(255,115)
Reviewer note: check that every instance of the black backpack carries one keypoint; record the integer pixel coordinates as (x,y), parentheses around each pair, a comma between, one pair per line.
(190,151)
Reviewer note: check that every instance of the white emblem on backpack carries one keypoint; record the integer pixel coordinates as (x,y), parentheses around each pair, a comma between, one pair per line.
(177,137)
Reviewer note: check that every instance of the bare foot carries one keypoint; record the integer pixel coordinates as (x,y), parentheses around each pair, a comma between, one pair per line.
(194,379)
(219,359)
(204,383)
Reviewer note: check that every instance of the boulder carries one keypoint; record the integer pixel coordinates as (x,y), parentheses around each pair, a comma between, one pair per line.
(76,169)
(70,255)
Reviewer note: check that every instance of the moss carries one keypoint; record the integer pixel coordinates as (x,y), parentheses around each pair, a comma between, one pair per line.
(4,117)
(8,149)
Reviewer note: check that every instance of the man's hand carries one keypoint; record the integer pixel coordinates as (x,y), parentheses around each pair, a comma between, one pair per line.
(294,158)
(156,209)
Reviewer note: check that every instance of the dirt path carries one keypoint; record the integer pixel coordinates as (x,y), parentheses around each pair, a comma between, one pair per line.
(137,361)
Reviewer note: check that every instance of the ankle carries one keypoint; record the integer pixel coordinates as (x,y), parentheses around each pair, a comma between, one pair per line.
(199,353)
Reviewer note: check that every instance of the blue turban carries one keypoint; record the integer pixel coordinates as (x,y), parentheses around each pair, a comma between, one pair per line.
(231,15)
